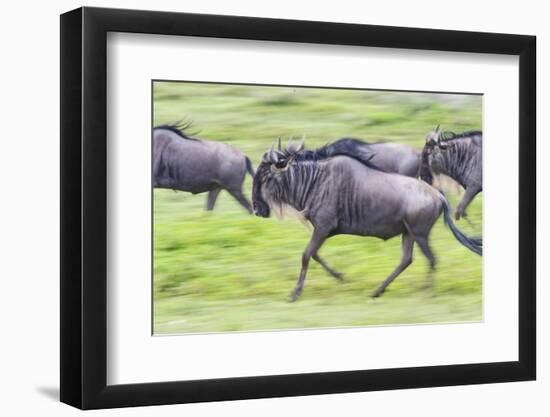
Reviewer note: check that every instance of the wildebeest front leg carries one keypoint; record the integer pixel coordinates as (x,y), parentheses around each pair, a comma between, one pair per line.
(422,242)
(407,244)
(313,246)
(327,268)
(211,200)
(239,196)
(469,195)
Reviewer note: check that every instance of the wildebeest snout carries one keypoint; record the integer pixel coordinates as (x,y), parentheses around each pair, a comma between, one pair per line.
(261,209)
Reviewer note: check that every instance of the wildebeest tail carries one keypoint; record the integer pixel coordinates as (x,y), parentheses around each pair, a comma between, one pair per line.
(474,244)
(249,166)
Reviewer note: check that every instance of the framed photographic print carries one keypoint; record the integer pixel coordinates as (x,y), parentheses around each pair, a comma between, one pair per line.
(258,207)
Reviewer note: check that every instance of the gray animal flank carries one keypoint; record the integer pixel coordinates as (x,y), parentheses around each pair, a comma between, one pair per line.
(184,163)
(389,157)
(342,194)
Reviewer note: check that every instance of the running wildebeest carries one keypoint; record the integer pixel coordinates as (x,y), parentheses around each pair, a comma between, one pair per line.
(459,156)
(185,163)
(389,157)
(342,195)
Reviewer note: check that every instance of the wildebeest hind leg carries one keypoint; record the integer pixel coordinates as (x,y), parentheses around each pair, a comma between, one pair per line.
(407,243)
(313,246)
(327,268)
(211,199)
(239,196)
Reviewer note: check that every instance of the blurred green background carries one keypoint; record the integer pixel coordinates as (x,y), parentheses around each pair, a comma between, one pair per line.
(228,271)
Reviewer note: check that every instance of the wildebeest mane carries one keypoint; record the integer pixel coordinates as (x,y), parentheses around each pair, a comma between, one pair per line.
(347,148)
(446,136)
(179,128)
(356,141)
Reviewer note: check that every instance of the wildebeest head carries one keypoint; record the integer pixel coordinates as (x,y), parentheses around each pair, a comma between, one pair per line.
(274,162)
(434,147)
(431,152)
(433,140)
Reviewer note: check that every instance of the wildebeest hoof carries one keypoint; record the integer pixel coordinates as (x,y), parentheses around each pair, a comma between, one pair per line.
(339,276)
(293,296)
(377,293)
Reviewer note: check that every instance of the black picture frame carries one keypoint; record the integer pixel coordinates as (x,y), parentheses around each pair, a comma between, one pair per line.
(84,207)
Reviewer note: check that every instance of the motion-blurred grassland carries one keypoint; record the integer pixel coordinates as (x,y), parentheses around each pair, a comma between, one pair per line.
(228,271)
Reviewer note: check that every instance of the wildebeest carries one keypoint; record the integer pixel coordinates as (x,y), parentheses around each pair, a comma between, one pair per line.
(342,195)
(185,163)
(459,156)
(390,157)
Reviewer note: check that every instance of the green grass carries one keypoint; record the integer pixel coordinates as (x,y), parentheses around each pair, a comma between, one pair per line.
(228,271)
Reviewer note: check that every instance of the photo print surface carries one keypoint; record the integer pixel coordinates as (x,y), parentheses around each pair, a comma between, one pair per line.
(287,207)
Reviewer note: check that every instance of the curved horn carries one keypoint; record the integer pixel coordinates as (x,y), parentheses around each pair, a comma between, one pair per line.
(294,146)
(289,145)
(279,147)
(272,155)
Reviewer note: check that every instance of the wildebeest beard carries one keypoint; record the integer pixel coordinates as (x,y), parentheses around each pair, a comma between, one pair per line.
(260,206)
